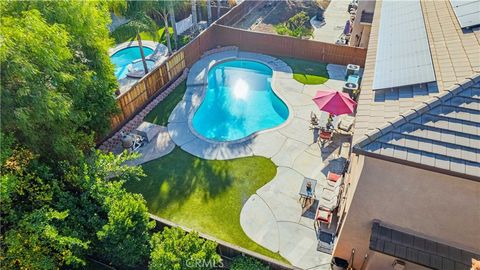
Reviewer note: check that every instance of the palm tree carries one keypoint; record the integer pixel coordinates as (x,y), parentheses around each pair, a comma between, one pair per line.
(138,22)
(194,14)
(159,9)
(209,11)
(171,12)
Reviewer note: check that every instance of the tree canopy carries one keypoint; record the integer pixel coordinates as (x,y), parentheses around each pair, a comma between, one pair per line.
(173,249)
(57,79)
(63,202)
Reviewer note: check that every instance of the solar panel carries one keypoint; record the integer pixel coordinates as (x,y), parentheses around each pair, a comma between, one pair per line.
(467,12)
(403,53)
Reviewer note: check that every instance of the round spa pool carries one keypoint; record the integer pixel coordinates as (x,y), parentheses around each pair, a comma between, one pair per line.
(238,102)
(123,58)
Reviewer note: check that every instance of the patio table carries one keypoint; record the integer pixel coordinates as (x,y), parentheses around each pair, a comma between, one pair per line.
(304,195)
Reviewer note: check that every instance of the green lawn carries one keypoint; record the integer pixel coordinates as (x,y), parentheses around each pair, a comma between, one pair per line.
(205,195)
(159,115)
(307,72)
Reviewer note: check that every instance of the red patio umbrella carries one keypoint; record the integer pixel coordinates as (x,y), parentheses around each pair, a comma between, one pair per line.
(334,102)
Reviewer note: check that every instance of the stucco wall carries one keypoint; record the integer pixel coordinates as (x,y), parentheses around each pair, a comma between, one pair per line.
(442,207)
(361,30)
(381,261)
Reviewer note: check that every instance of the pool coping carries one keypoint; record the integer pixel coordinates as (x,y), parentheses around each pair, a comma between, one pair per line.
(194,107)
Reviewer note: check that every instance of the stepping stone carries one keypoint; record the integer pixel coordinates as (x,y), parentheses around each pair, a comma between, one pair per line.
(314,149)
(299,130)
(309,165)
(267,144)
(295,97)
(298,244)
(283,74)
(304,112)
(290,150)
(181,112)
(158,147)
(283,207)
(259,224)
(335,84)
(197,76)
(201,149)
(311,90)
(287,181)
(286,86)
(233,150)
(180,133)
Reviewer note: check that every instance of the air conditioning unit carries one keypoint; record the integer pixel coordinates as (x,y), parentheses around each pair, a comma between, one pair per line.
(398,265)
(352,70)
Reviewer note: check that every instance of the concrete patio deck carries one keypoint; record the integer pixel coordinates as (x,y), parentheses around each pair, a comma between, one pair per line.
(273,216)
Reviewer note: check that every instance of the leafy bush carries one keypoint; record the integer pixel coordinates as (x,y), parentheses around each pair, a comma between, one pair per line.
(296,26)
(247,263)
(173,249)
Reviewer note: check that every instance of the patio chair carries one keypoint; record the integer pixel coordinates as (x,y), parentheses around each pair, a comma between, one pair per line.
(323,216)
(345,124)
(330,197)
(314,124)
(334,179)
(325,136)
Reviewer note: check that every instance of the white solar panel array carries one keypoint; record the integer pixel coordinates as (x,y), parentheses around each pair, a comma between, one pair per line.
(467,12)
(403,52)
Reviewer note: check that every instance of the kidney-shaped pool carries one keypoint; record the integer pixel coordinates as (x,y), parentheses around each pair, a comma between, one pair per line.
(238,102)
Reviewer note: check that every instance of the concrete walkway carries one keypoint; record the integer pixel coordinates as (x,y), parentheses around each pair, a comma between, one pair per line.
(273,216)
(336,16)
(159,146)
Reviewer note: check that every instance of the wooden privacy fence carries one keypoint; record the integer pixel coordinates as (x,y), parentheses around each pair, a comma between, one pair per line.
(238,12)
(289,46)
(148,87)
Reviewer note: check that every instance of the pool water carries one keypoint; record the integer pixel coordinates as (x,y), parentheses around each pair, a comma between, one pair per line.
(238,101)
(125,57)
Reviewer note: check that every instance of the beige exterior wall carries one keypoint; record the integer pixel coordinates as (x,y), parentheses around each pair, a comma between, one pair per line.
(378,260)
(442,207)
(361,32)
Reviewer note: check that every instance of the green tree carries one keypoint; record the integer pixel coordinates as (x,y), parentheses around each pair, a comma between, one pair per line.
(247,263)
(57,79)
(296,26)
(139,21)
(124,239)
(114,220)
(173,249)
(37,243)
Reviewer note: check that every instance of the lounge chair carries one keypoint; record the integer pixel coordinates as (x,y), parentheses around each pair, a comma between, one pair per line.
(323,216)
(345,124)
(334,179)
(330,197)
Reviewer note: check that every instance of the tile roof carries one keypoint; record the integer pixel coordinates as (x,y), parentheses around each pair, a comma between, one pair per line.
(455,55)
(442,133)
(418,249)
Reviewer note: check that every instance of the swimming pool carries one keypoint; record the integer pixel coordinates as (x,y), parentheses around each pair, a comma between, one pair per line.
(238,102)
(123,58)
